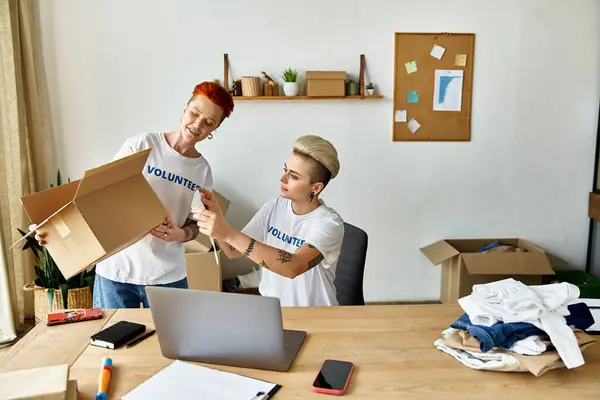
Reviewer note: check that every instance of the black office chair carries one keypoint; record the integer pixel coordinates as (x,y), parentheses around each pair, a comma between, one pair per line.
(351,267)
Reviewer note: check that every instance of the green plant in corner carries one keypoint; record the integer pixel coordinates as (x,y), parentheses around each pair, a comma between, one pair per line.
(217,81)
(370,86)
(289,75)
(48,275)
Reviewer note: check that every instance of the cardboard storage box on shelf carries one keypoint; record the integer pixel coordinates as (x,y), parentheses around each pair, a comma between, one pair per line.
(86,221)
(325,83)
(203,272)
(463,266)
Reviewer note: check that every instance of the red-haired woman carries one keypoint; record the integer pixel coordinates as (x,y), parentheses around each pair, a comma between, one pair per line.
(174,170)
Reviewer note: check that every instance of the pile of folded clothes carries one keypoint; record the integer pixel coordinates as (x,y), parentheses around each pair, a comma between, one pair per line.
(509,326)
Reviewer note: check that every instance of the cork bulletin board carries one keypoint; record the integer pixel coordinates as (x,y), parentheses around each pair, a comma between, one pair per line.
(433,81)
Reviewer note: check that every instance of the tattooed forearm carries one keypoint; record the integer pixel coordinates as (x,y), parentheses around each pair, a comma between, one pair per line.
(283,256)
(264,265)
(315,261)
(250,247)
(232,248)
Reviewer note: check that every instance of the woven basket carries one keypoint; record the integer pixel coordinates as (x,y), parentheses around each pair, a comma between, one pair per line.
(250,86)
(76,298)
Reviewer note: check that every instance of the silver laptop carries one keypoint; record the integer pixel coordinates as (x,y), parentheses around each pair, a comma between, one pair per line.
(223,328)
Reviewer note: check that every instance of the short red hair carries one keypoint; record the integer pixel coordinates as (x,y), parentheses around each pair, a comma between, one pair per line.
(217,94)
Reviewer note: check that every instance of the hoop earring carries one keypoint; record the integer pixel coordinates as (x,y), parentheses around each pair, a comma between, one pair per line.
(312,196)
(210,136)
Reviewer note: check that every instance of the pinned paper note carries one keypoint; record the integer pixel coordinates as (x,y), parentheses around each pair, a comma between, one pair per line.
(460,60)
(447,90)
(400,116)
(413,125)
(438,51)
(411,67)
(412,97)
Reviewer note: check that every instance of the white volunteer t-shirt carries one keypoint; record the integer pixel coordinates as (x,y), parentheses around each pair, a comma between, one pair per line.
(174,178)
(276,225)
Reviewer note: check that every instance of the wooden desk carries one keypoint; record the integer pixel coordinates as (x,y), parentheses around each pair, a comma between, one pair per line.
(391,345)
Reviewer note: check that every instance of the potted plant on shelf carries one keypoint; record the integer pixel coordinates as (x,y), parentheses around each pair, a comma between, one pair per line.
(370,89)
(217,81)
(290,85)
(351,87)
(50,289)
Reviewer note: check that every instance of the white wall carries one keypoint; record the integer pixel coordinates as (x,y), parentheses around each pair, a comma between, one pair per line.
(117,68)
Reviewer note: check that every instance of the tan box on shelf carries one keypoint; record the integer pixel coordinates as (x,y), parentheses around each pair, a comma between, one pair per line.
(463,267)
(88,220)
(325,83)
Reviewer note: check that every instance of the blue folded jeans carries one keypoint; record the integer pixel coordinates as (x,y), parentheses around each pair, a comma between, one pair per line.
(113,294)
(497,335)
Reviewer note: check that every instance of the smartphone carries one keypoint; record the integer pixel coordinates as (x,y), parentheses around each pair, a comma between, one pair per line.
(333,377)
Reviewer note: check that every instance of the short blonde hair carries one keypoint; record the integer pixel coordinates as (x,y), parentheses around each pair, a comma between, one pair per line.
(321,151)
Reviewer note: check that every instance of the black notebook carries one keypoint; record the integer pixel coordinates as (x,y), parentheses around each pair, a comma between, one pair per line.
(117,335)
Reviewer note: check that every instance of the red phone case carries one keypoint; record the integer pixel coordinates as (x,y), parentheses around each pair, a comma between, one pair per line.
(333,391)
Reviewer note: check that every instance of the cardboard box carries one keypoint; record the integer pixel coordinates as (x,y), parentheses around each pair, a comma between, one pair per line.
(325,83)
(463,267)
(204,240)
(44,383)
(88,220)
(203,273)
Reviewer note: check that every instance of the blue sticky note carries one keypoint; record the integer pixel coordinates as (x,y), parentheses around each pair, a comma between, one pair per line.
(413,97)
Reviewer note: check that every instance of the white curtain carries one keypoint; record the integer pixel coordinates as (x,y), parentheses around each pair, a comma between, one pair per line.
(25,153)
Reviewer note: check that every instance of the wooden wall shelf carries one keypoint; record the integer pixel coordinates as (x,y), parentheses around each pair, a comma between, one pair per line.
(373,97)
(360,96)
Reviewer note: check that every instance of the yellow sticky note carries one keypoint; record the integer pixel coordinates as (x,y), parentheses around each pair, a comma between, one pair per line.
(411,67)
(460,60)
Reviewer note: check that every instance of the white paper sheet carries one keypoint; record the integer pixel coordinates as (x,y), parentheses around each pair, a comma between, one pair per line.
(438,51)
(183,381)
(413,125)
(197,203)
(400,116)
(447,92)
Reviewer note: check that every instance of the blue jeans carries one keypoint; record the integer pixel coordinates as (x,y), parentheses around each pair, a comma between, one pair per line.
(112,294)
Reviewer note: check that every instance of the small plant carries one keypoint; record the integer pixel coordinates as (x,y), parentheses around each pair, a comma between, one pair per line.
(370,85)
(289,75)
(217,81)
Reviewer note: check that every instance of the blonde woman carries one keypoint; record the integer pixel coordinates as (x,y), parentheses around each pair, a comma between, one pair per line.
(295,238)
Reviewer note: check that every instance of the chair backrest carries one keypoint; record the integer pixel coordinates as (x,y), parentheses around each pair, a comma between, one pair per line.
(351,266)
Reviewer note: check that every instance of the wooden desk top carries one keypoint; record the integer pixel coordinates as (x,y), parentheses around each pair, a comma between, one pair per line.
(391,346)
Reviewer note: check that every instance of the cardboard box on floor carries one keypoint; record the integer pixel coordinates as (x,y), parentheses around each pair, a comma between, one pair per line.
(87,220)
(463,267)
(203,273)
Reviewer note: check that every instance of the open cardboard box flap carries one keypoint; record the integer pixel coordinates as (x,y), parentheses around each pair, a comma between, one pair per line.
(204,241)
(439,252)
(85,221)
(535,261)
